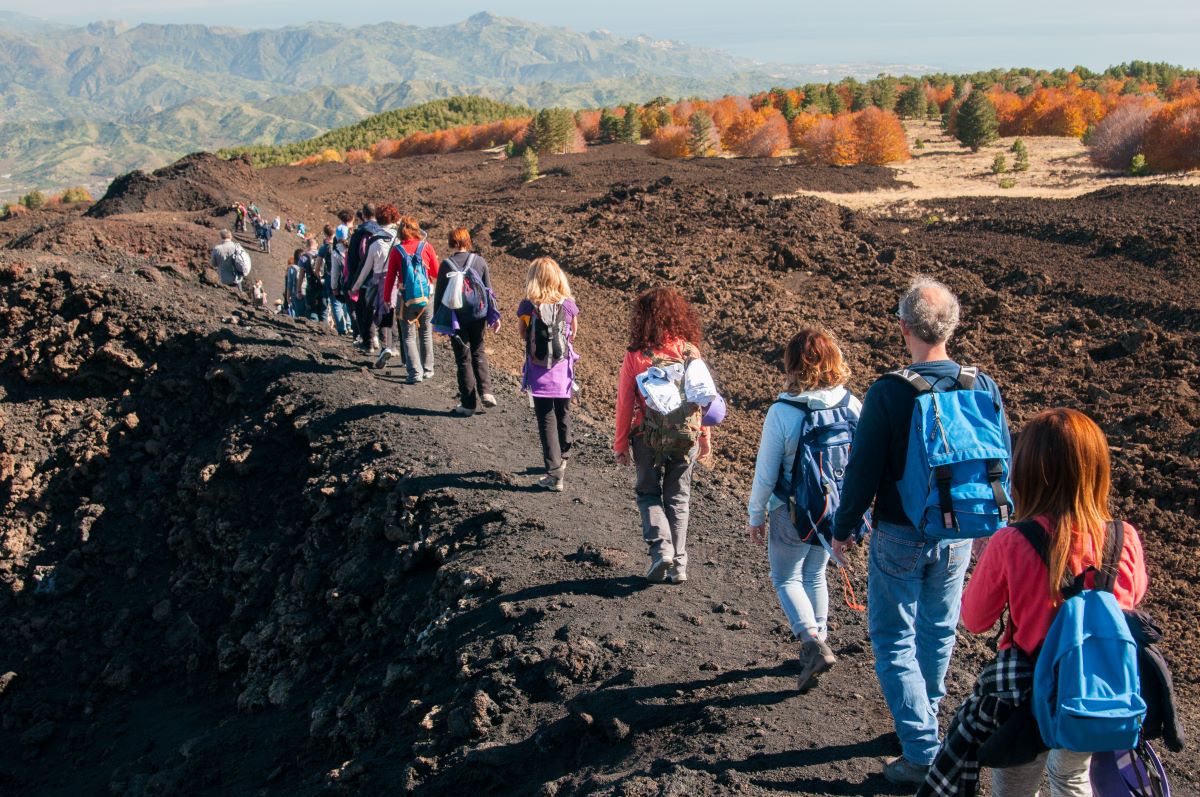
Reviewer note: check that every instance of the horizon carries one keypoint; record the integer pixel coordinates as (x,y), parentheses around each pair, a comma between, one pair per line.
(1093,35)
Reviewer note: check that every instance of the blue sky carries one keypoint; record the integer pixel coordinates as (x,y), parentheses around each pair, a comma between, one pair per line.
(952,35)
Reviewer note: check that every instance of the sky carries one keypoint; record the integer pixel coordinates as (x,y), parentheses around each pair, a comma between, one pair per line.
(961,35)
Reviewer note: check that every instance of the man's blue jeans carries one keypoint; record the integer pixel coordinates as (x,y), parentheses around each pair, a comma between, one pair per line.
(914,589)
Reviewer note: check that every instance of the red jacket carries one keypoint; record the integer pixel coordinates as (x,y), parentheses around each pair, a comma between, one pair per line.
(631,407)
(1010,573)
(395,263)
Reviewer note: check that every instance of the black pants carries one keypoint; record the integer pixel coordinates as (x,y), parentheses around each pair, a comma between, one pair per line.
(554,427)
(364,317)
(474,379)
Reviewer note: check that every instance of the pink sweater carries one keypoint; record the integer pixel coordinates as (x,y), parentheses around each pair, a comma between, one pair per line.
(1011,573)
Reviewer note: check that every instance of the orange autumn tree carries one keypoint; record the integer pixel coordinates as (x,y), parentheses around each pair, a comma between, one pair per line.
(670,142)
(769,139)
(881,137)
(738,132)
(1172,141)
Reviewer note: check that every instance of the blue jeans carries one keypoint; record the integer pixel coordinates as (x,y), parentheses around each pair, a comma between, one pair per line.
(914,589)
(341,315)
(798,573)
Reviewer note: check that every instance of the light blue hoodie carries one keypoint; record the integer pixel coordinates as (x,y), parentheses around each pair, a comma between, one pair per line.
(777,448)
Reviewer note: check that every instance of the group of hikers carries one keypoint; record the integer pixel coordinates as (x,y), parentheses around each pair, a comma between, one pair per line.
(923,466)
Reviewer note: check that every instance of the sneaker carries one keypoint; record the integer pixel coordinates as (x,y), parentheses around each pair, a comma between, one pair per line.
(677,575)
(488,400)
(382,360)
(429,374)
(658,570)
(551,483)
(903,772)
(413,379)
(816,658)
(462,412)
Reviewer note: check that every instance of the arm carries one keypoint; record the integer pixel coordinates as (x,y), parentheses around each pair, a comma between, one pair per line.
(485,273)
(868,458)
(767,467)
(215,260)
(1132,579)
(439,289)
(431,261)
(986,594)
(626,398)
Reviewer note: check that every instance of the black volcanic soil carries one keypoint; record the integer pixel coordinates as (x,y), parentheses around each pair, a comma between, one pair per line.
(237,562)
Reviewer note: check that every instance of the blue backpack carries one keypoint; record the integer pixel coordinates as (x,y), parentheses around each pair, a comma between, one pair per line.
(815,489)
(955,482)
(1086,690)
(416,280)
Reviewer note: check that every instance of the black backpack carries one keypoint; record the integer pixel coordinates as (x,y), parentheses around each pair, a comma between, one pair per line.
(547,344)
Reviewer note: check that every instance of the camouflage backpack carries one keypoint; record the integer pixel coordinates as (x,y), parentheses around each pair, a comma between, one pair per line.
(672,435)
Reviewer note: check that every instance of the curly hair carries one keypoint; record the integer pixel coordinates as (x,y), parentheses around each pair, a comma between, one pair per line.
(388,214)
(660,315)
(812,360)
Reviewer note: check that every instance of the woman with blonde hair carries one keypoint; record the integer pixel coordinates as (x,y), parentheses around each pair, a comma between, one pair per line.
(548,322)
(1061,482)
(810,424)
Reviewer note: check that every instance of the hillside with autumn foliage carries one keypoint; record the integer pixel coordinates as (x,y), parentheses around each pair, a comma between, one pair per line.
(1137,117)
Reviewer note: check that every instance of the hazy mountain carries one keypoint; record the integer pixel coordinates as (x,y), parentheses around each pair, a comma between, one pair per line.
(83,104)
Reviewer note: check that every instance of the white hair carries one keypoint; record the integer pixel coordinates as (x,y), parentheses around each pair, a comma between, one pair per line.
(930,310)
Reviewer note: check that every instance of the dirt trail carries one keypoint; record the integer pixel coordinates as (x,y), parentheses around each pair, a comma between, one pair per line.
(238,562)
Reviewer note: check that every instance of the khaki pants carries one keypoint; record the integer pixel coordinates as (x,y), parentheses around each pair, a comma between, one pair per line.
(1068,774)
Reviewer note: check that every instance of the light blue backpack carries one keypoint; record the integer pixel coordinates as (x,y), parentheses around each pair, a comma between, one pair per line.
(1086,690)
(955,482)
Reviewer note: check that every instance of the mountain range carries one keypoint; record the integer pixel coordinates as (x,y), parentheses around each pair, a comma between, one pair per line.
(84,104)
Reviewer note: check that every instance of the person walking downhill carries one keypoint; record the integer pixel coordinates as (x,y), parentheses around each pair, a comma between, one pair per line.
(294,288)
(1061,480)
(915,568)
(804,446)
(663,442)
(470,355)
(370,284)
(333,253)
(548,321)
(360,294)
(416,327)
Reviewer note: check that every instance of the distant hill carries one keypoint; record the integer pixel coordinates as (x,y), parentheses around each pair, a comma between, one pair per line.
(84,104)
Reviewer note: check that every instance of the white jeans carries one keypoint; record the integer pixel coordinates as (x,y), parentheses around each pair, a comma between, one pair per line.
(1068,773)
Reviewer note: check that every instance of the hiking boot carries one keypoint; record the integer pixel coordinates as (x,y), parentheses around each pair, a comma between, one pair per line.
(816,658)
(551,483)
(382,360)
(488,400)
(658,570)
(677,575)
(903,772)
(462,412)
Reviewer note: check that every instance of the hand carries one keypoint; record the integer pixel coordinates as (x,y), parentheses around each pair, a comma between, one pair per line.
(496,326)
(705,447)
(840,549)
(624,457)
(758,534)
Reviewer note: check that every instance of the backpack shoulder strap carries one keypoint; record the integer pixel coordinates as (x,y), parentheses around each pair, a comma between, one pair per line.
(1114,544)
(967,376)
(918,382)
(470,260)
(1035,535)
(800,405)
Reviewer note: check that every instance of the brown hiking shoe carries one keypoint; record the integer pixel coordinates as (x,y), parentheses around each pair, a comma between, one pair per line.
(816,658)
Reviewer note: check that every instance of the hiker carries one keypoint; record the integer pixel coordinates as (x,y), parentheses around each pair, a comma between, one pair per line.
(664,442)
(807,432)
(411,294)
(301,230)
(471,316)
(230,260)
(293,287)
(371,278)
(259,294)
(360,242)
(915,575)
(343,228)
(548,321)
(275,224)
(1061,483)
(267,231)
(333,254)
(314,281)
(239,217)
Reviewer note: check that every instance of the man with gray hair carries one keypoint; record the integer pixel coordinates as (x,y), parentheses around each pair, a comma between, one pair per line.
(224,260)
(915,580)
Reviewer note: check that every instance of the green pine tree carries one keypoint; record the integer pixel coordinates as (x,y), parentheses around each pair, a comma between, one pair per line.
(912,102)
(529,162)
(34,199)
(836,103)
(700,141)
(976,124)
(861,99)
(552,131)
(631,125)
(789,109)
(610,127)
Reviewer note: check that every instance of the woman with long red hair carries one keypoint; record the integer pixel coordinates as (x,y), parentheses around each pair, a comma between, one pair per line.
(1061,480)
(663,329)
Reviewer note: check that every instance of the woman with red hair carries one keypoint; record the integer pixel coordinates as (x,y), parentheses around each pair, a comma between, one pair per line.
(663,330)
(1061,483)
